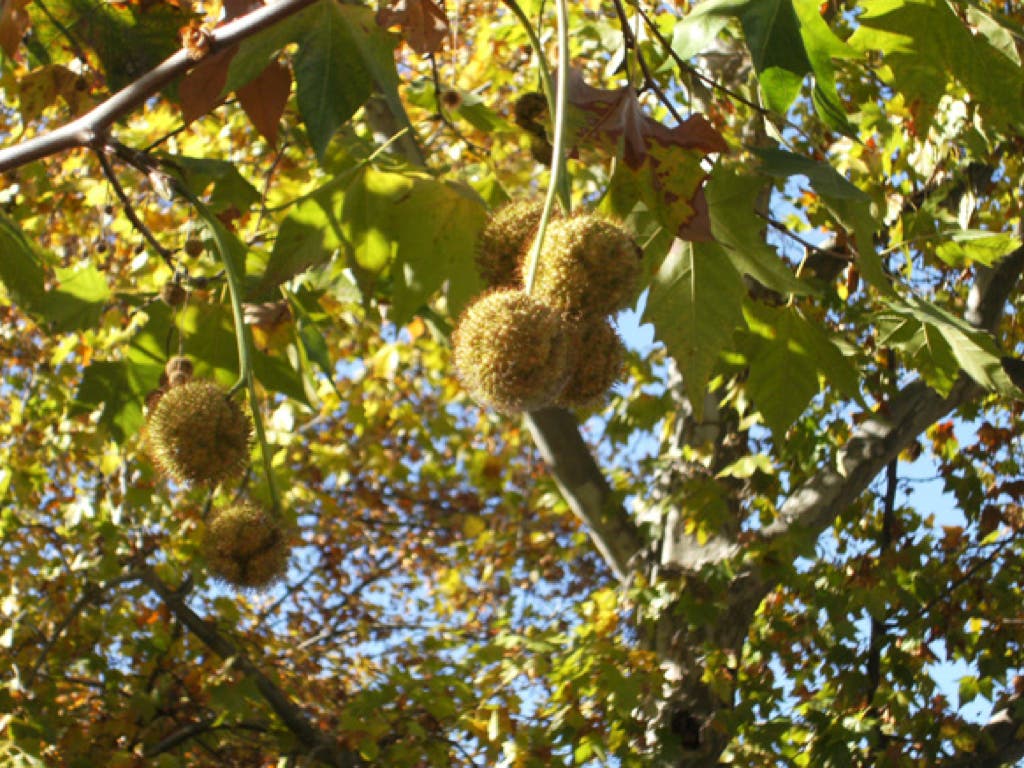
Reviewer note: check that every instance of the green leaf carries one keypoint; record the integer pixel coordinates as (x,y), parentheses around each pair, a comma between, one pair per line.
(699,28)
(850,205)
(926,46)
(732,201)
(976,247)
(777,49)
(695,303)
(76,303)
(20,269)
(109,386)
(227,187)
(822,47)
(79,300)
(342,55)
(789,355)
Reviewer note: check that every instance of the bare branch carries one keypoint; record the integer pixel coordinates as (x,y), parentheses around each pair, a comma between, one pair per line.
(90,128)
(557,435)
(314,741)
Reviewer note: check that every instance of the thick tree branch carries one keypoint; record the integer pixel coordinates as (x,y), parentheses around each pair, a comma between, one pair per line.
(312,739)
(1000,742)
(90,128)
(557,435)
(878,441)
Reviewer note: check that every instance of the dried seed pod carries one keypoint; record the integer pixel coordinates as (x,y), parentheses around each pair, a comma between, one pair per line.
(588,267)
(196,433)
(194,246)
(173,293)
(511,351)
(246,546)
(598,353)
(179,370)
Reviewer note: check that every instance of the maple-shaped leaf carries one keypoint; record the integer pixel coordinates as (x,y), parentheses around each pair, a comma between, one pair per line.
(14,21)
(615,119)
(661,166)
(424,25)
(264,97)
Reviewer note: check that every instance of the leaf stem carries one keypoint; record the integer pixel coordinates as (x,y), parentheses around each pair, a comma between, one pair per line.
(559,181)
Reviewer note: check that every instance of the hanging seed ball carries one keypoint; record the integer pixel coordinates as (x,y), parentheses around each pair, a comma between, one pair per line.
(246,546)
(511,351)
(178,370)
(598,354)
(194,246)
(504,239)
(197,434)
(587,268)
(173,294)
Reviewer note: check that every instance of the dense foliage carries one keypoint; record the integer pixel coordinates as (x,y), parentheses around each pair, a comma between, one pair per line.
(727,561)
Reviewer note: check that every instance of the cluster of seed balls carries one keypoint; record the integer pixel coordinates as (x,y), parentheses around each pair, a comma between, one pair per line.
(196,433)
(556,345)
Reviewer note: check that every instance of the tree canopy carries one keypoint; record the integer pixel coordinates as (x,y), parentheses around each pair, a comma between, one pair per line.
(721,561)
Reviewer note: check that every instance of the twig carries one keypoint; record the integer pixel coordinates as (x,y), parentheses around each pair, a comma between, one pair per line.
(86,130)
(442,114)
(709,81)
(129,210)
(312,739)
(649,82)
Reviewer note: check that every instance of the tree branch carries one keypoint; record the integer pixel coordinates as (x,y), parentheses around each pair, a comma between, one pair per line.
(88,129)
(313,740)
(879,440)
(557,435)
(1000,741)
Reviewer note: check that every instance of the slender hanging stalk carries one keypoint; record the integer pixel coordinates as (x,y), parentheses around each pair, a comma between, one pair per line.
(243,338)
(559,180)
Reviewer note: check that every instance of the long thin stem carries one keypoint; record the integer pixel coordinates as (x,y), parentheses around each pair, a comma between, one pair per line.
(243,338)
(129,210)
(556,187)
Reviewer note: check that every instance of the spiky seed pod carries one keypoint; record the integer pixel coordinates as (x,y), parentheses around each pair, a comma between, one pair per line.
(197,434)
(511,351)
(588,267)
(597,354)
(504,239)
(246,546)
(173,294)
(179,370)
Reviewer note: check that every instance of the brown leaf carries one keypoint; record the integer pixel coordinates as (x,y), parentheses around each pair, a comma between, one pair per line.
(235,8)
(14,21)
(201,88)
(616,117)
(264,98)
(424,25)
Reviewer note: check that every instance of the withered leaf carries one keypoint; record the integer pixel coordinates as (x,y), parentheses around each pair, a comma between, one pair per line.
(615,119)
(424,25)
(14,22)
(264,98)
(663,164)
(200,89)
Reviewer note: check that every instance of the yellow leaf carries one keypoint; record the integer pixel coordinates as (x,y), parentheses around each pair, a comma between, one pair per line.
(473,526)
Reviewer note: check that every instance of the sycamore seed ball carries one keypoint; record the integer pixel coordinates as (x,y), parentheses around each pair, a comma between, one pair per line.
(598,354)
(197,434)
(246,547)
(178,370)
(587,268)
(508,233)
(511,351)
